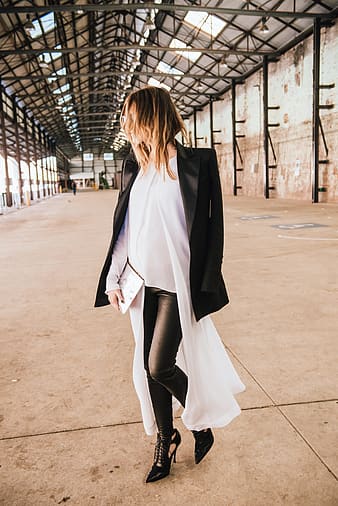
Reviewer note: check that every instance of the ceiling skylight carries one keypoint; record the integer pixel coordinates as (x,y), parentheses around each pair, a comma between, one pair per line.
(48,57)
(64,99)
(62,89)
(47,22)
(208,23)
(155,82)
(190,55)
(60,72)
(167,69)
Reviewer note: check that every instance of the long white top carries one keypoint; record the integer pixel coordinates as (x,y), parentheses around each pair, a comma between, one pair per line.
(153,198)
(154,238)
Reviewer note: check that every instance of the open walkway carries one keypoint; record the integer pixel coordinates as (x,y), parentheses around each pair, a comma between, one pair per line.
(70,428)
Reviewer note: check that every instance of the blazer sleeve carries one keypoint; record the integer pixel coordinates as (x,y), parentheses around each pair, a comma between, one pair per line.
(215,237)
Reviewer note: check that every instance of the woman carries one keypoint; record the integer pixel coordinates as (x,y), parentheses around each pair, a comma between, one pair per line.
(168,223)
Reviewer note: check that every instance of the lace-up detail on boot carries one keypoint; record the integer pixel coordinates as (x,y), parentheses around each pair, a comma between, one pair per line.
(162,455)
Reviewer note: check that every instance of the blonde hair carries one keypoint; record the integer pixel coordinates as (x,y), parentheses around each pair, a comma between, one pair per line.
(151,121)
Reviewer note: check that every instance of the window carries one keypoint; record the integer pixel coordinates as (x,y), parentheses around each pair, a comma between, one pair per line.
(88,157)
(108,156)
(190,55)
(208,23)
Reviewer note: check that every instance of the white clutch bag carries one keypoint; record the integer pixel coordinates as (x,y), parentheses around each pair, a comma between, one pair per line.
(130,283)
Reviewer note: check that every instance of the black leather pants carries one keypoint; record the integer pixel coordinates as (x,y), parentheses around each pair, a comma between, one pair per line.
(162,336)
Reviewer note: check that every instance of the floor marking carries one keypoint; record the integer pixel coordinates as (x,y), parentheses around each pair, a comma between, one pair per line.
(296,226)
(308,238)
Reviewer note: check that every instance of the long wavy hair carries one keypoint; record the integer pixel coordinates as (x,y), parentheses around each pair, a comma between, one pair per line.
(151,121)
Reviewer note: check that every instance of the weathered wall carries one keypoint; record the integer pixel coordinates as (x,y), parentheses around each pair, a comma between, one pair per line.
(290,88)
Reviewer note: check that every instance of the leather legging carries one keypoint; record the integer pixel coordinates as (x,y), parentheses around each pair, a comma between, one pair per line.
(162,337)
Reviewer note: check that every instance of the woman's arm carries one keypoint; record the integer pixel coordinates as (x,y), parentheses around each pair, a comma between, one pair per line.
(118,259)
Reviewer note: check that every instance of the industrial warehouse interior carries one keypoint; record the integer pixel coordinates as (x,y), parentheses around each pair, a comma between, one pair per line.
(256,81)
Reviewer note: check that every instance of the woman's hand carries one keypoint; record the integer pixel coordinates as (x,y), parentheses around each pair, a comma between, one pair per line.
(115,296)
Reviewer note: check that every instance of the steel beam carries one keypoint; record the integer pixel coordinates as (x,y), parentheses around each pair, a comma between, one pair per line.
(150,72)
(131,47)
(112,7)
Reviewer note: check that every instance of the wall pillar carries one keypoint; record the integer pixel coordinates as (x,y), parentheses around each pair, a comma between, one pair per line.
(9,199)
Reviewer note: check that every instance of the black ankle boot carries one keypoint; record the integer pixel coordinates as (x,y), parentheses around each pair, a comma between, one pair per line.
(162,457)
(204,440)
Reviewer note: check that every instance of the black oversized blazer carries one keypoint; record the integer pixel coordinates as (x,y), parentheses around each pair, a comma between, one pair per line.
(202,200)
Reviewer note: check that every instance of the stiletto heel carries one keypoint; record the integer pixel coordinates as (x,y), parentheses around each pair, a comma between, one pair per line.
(204,440)
(162,458)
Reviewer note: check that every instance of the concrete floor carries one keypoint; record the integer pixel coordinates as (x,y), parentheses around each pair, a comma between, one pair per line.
(70,423)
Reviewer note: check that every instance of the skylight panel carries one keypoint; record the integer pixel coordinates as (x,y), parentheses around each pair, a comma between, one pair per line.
(62,89)
(190,55)
(67,108)
(167,69)
(61,72)
(48,57)
(47,23)
(208,23)
(64,99)
(155,82)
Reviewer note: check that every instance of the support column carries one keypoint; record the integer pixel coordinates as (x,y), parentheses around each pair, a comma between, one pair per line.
(41,165)
(28,158)
(9,200)
(57,179)
(195,127)
(36,159)
(211,116)
(51,162)
(234,140)
(17,148)
(266,127)
(315,110)
(45,150)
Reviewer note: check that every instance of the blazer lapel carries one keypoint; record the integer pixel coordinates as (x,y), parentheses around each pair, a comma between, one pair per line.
(188,166)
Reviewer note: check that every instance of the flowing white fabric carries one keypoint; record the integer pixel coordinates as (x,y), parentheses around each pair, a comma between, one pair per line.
(156,212)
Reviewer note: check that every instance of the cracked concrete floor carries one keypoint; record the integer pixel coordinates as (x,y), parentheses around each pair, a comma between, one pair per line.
(70,428)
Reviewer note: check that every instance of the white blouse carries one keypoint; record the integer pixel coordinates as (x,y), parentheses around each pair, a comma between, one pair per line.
(155,204)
